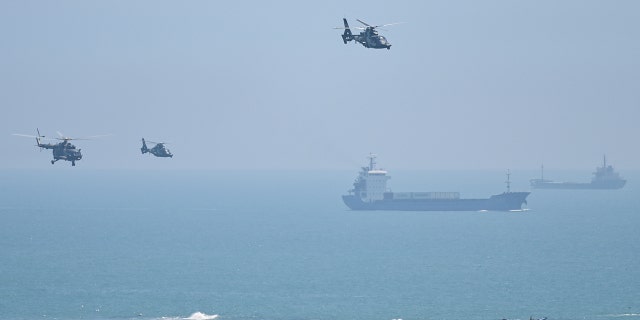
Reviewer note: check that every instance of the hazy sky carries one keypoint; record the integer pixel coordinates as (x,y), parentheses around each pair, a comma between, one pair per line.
(270,85)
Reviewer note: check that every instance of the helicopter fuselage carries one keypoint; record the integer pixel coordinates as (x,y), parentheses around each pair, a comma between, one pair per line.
(159,150)
(371,39)
(63,151)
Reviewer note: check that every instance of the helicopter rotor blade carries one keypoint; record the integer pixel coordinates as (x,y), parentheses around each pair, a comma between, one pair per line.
(96,136)
(31,136)
(366,24)
(62,137)
(389,24)
(342,28)
(378,26)
(23,135)
(157,142)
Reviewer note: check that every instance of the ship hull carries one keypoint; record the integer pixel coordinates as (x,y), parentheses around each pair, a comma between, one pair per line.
(502,202)
(614,184)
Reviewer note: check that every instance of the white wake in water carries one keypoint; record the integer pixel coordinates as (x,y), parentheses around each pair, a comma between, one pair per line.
(201,316)
(194,316)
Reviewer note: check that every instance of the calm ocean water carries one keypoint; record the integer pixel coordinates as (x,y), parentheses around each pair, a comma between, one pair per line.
(282,246)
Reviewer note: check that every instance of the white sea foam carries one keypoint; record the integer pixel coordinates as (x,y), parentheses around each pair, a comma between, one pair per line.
(194,316)
(623,315)
(201,316)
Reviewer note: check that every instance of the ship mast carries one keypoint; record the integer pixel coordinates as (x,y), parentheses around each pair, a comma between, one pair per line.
(372,161)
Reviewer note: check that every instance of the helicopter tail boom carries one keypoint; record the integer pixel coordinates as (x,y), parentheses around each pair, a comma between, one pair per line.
(144,148)
(347,35)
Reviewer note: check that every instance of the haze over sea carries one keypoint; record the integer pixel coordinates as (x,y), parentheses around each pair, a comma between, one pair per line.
(280,245)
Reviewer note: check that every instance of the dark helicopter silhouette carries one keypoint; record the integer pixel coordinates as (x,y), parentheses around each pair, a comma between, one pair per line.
(61,151)
(159,150)
(369,38)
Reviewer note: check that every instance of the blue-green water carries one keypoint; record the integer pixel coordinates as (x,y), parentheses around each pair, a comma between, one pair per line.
(282,246)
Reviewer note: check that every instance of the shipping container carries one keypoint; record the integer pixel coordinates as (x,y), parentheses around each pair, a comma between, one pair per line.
(401,195)
(425,195)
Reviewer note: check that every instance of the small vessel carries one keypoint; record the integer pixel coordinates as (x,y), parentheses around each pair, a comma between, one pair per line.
(370,193)
(604,178)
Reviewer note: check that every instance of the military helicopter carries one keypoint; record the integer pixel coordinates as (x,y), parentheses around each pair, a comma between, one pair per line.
(61,151)
(159,150)
(369,38)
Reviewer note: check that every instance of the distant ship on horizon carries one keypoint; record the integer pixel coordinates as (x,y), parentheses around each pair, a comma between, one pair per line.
(604,178)
(370,193)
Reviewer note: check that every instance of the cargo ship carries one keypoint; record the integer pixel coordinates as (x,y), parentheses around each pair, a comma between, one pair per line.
(370,193)
(604,178)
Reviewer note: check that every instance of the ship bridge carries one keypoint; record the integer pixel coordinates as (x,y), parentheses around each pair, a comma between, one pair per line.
(371,183)
(375,185)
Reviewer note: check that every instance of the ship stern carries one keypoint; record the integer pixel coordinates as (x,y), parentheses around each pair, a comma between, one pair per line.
(353,202)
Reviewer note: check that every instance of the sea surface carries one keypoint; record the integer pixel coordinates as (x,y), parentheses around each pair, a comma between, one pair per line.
(281,245)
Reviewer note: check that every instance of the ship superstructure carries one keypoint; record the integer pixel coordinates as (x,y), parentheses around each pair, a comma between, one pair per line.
(370,193)
(371,183)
